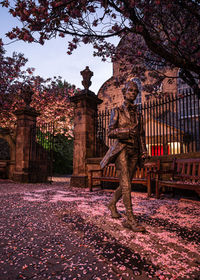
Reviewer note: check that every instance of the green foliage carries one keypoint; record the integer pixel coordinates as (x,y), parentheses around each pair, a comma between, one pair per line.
(63,155)
(62,151)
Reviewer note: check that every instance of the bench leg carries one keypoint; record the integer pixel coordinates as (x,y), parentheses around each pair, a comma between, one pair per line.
(157,189)
(90,182)
(148,186)
(101,184)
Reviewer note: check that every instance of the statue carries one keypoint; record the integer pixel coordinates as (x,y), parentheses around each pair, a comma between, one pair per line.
(127,152)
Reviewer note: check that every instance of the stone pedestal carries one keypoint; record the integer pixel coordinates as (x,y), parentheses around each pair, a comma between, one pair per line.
(26,119)
(85,107)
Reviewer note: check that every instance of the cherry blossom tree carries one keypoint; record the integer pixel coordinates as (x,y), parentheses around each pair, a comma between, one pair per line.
(155,34)
(50,96)
(12,76)
(53,104)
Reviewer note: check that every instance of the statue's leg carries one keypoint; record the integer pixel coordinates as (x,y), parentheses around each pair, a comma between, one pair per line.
(125,183)
(116,196)
(112,205)
(132,166)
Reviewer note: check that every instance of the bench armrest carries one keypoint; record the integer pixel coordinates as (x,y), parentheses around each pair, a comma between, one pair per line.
(164,171)
(91,175)
(95,170)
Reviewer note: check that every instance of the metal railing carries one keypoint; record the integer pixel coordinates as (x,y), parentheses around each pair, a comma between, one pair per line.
(171,124)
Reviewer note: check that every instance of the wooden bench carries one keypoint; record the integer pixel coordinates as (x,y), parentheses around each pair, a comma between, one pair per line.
(185,175)
(143,176)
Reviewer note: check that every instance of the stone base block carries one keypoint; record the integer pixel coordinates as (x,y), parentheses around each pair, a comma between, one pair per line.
(21,177)
(79,181)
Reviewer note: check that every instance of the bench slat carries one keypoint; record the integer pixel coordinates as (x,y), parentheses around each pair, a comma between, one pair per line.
(186,175)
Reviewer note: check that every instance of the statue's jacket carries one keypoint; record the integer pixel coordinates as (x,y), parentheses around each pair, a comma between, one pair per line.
(121,122)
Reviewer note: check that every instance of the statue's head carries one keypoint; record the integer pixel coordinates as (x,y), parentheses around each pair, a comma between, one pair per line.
(130,91)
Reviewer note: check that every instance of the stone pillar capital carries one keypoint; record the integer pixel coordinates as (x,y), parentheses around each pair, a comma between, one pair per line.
(88,96)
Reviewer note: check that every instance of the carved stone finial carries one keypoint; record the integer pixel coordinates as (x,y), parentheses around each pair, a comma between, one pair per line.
(87,75)
(26,94)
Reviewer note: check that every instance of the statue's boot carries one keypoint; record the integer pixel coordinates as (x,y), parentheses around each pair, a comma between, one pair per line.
(114,213)
(134,226)
(130,221)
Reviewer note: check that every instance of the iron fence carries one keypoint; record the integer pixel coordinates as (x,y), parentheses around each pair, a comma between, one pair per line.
(41,153)
(171,124)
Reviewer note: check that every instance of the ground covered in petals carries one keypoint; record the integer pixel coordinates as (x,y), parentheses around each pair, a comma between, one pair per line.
(51,231)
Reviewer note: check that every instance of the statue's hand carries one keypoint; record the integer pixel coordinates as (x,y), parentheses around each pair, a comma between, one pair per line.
(145,156)
(132,132)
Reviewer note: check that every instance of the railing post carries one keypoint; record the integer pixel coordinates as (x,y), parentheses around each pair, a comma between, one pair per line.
(85,106)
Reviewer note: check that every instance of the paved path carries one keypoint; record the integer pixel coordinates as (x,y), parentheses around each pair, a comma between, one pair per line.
(36,244)
(46,232)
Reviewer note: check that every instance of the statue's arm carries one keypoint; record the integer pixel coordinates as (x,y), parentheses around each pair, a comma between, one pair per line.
(142,139)
(114,131)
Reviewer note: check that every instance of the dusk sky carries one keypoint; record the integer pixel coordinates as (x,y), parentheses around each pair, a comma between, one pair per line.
(52,60)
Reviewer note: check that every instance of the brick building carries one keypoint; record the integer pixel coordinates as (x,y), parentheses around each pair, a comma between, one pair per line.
(112,96)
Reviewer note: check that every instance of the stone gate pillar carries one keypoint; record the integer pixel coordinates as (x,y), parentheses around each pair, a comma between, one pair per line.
(85,107)
(26,118)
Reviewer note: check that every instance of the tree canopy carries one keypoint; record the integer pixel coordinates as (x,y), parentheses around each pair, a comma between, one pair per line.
(50,96)
(156,33)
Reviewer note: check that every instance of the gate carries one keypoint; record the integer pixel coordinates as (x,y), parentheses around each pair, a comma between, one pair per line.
(41,153)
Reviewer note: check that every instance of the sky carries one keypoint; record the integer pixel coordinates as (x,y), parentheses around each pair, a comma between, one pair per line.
(52,59)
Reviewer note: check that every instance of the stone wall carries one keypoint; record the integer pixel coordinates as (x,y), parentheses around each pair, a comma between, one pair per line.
(7,152)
